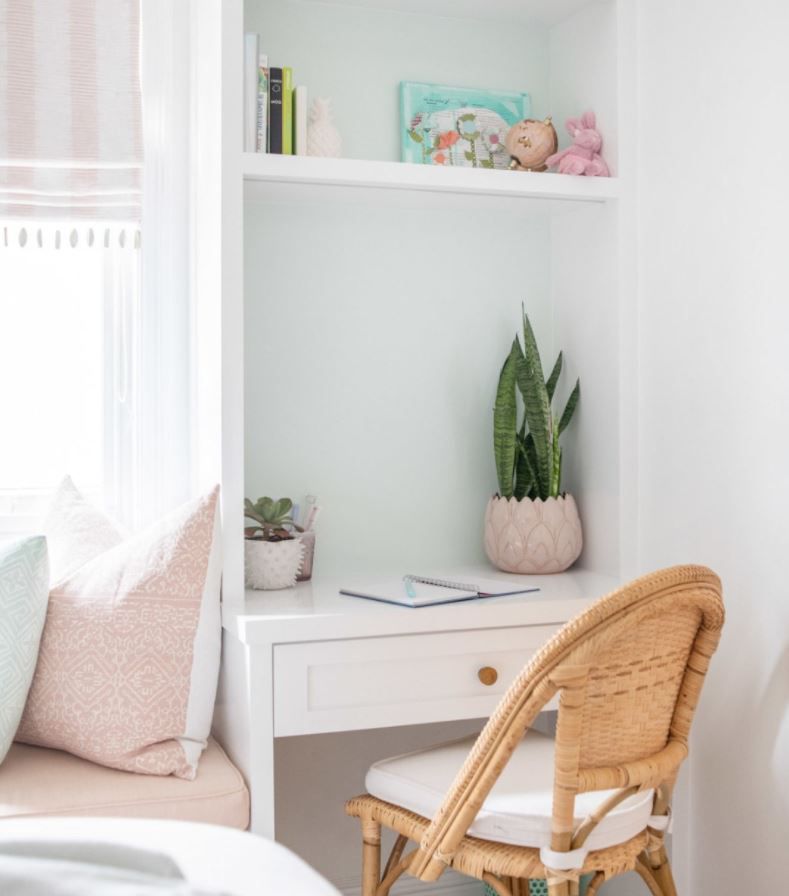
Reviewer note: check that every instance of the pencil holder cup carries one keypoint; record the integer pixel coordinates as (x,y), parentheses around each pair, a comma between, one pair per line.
(308,540)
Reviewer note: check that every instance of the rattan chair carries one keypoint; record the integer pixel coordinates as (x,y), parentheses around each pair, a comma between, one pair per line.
(628,673)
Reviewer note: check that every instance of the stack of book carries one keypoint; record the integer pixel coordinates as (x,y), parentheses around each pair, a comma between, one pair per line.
(275,112)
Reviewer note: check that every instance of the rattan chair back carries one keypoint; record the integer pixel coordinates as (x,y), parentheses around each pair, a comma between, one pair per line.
(628,672)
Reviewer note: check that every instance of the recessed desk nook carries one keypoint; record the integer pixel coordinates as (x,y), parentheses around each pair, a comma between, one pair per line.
(311,661)
(365,318)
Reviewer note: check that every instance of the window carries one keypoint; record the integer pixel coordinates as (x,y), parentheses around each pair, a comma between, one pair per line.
(67,367)
(95,340)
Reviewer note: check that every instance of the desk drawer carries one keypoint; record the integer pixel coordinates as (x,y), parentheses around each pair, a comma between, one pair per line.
(405,680)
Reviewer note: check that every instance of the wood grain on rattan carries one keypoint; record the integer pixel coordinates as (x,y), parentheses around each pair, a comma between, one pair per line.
(629,672)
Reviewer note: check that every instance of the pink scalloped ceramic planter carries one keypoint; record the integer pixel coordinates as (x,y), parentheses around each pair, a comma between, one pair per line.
(533,536)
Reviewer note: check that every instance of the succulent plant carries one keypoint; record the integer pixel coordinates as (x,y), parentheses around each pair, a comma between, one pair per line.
(529,457)
(272,518)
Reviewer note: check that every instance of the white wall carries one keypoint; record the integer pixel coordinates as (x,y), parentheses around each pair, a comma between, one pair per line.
(714,396)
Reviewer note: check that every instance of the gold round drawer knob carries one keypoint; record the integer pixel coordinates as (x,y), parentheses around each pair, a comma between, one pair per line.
(488,675)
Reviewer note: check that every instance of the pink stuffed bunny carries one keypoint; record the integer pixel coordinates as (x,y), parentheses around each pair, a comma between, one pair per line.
(583,157)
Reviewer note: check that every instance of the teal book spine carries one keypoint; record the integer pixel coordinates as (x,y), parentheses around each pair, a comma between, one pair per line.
(287,112)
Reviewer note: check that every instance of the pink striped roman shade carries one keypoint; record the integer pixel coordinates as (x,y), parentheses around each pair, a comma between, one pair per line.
(70,117)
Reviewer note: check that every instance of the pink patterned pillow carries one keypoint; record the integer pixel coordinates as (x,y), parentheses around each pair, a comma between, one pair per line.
(129,657)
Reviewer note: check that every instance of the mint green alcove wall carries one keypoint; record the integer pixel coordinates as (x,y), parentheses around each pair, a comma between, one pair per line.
(374,336)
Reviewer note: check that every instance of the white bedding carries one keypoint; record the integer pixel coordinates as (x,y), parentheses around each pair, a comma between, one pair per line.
(52,868)
(214,860)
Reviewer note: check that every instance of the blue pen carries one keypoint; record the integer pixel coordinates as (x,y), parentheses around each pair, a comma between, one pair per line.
(409,586)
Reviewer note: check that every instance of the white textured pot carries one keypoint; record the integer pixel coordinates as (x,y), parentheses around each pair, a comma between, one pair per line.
(533,536)
(270,565)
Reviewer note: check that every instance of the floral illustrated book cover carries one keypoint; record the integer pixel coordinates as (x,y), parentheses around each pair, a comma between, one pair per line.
(461,126)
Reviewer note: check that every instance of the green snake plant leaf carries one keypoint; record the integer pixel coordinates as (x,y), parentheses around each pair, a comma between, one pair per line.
(505,422)
(569,408)
(553,379)
(525,478)
(537,407)
(531,454)
(523,481)
(556,464)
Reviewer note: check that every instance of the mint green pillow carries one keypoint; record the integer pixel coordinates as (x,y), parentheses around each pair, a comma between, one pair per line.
(24,593)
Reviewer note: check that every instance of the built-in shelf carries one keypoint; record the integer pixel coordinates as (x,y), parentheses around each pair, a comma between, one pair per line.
(545,12)
(262,170)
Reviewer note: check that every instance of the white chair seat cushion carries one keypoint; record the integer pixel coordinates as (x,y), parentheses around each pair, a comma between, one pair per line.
(518,809)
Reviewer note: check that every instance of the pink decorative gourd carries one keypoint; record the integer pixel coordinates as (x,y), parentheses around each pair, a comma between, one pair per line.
(583,157)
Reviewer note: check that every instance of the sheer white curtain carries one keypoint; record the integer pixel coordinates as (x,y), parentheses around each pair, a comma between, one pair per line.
(166,456)
(95,329)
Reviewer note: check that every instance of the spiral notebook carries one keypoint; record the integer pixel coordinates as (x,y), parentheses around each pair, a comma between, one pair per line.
(426,591)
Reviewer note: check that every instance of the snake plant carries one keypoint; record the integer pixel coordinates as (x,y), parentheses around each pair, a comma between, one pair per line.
(529,457)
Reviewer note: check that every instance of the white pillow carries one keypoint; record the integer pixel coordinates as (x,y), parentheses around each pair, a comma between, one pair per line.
(76,531)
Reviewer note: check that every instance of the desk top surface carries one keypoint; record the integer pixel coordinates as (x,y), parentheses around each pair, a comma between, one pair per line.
(317,611)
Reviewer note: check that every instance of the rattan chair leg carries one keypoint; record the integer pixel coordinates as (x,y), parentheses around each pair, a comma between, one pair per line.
(496,884)
(393,874)
(561,888)
(664,877)
(648,877)
(595,883)
(395,854)
(371,856)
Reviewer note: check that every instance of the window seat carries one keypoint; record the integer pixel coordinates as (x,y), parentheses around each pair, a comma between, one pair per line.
(35,781)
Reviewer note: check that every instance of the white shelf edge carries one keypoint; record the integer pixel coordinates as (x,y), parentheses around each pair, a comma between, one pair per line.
(260,168)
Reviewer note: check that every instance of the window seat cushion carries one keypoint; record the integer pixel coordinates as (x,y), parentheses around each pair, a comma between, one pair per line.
(40,781)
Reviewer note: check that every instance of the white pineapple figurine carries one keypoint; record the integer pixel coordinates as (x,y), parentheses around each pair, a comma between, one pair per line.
(323,138)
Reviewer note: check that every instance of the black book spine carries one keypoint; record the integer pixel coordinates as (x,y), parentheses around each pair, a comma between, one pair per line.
(275,111)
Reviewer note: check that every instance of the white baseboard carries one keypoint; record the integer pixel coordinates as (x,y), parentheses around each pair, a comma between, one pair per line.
(450,884)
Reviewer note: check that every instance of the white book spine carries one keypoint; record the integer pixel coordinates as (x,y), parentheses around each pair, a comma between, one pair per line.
(262,105)
(251,52)
(300,120)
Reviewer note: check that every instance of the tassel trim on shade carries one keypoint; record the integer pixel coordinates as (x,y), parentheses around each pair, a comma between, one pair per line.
(67,236)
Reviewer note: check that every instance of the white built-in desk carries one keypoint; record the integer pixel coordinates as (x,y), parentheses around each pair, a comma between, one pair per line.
(310,660)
